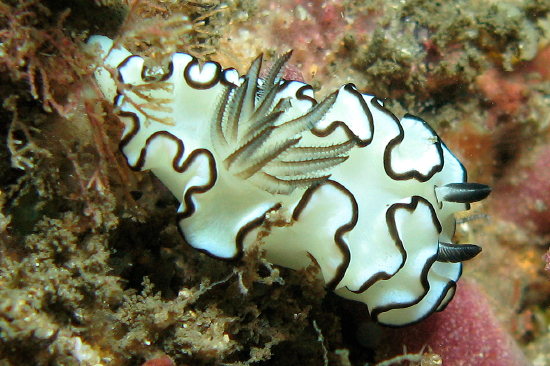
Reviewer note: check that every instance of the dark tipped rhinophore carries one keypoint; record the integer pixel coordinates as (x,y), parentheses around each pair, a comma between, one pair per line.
(455,253)
(463,192)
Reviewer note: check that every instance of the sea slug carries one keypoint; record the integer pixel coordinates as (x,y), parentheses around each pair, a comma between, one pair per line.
(343,182)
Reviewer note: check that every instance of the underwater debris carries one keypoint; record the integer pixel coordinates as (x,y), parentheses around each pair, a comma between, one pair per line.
(435,50)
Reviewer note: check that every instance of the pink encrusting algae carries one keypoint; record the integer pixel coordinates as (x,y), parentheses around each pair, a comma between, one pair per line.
(467,333)
(524,198)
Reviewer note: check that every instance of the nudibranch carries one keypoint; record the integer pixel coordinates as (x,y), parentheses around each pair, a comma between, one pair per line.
(342,183)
